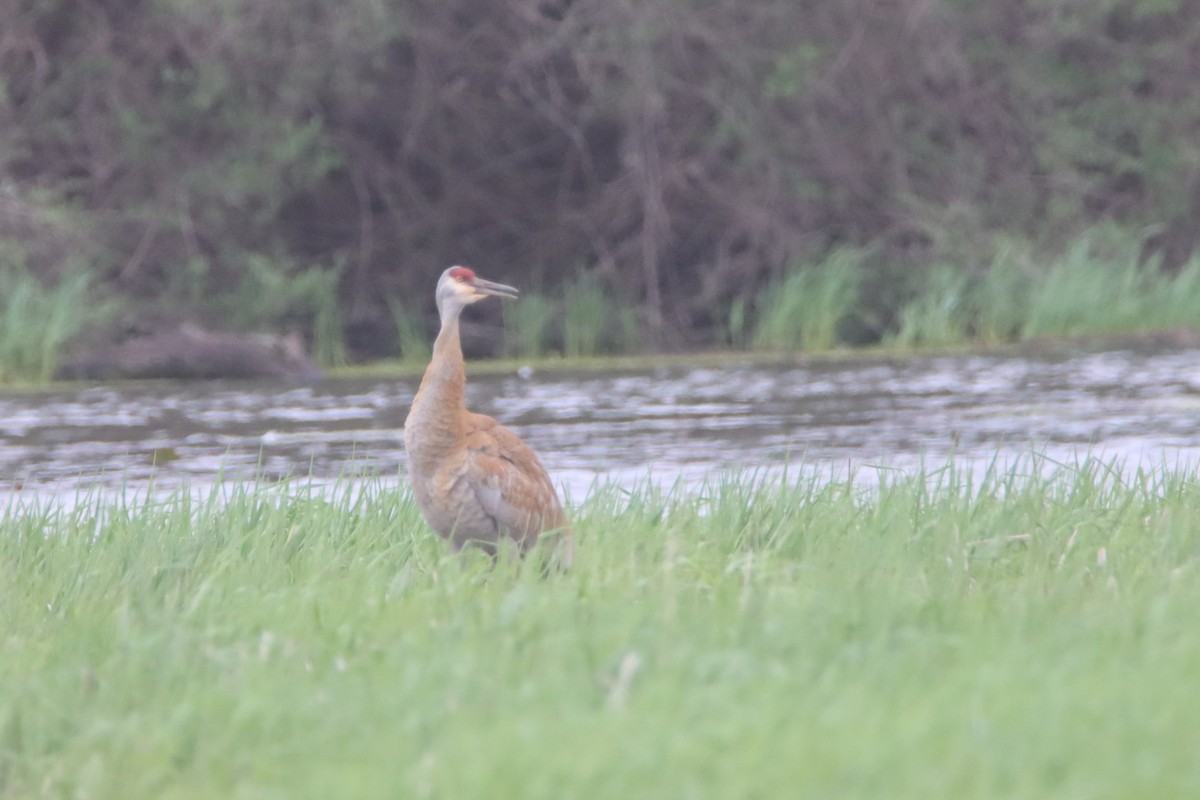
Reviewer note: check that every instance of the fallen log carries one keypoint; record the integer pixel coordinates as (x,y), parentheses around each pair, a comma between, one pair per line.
(190,352)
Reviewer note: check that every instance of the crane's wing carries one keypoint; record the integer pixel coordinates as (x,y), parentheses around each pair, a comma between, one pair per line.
(510,482)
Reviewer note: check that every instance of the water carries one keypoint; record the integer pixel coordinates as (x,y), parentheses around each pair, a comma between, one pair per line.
(674,423)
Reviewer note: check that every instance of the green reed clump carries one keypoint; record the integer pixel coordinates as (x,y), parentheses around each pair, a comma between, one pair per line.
(1021,632)
(415,346)
(528,324)
(1000,300)
(328,324)
(588,309)
(1096,286)
(1092,289)
(36,321)
(940,314)
(805,308)
(1176,300)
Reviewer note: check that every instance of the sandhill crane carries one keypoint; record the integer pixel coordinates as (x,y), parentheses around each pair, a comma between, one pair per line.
(474,480)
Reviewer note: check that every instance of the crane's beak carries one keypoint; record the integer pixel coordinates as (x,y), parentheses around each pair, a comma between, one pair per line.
(498,289)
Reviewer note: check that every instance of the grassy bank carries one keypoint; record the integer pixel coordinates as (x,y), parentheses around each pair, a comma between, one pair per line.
(1095,292)
(1096,288)
(1027,636)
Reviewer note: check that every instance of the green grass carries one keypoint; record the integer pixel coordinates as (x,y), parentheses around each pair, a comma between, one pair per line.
(939,314)
(415,347)
(1097,287)
(36,321)
(1094,288)
(1018,637)
(999,301)
(586,321)
(587,311)
(805,307)
(275,293)
(595,322)
(1087,292)
(527,325)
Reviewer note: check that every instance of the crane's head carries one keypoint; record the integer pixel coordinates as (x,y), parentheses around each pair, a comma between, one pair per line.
(460,287)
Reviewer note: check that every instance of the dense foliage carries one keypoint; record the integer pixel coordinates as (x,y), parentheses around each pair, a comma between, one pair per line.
(268,164)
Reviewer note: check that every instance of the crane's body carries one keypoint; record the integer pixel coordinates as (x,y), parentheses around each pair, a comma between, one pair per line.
(474,480)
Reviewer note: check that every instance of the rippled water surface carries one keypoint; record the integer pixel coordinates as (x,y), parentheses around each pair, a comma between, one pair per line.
(675,422)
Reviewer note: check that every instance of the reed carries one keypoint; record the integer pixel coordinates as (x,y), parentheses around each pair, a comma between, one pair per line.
(1099,286)
(415,347)
(804,308)
(1090,290)
(588,309)
(36,321)
(999,302)
(940,314)
(528,324)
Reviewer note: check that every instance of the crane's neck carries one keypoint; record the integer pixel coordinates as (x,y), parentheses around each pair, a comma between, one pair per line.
(437,420)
